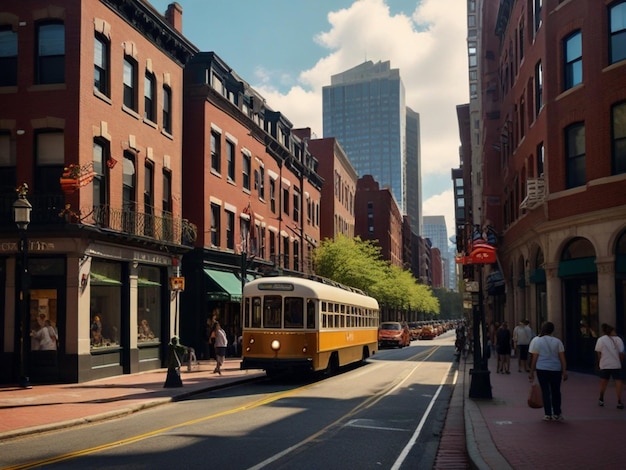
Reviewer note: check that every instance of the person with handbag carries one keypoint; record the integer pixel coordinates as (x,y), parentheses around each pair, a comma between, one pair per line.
(610,356)
(548,359)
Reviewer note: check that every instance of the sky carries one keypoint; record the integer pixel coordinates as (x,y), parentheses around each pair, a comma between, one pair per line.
(287,50)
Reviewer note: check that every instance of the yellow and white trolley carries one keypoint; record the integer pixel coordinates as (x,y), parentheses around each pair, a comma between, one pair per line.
(295,324)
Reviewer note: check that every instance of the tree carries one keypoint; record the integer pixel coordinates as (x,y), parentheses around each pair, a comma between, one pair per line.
(358,263)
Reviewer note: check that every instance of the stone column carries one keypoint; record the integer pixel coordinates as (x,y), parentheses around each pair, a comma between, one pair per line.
(606,290)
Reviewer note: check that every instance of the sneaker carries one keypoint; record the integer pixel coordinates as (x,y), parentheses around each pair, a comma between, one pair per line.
(547,418)
(557,417)
(620,406)
(600,402)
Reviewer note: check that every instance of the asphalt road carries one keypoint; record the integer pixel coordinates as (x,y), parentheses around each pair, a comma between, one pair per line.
(386,414)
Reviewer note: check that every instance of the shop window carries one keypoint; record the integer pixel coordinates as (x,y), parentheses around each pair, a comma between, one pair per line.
(105,308)
(148,305)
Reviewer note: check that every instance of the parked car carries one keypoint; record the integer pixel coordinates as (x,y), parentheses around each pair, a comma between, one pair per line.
(393,334)
(414,329)
(428,332)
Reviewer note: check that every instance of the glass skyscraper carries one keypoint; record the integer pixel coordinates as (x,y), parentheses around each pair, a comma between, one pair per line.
(364,109)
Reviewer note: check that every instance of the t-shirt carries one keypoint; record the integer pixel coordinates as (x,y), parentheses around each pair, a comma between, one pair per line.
(522,334)
(547,349)
(609,348)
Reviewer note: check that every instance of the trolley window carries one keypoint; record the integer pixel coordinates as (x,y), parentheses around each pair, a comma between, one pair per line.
(272,311)
(294,310)
(310,313)
(256,312)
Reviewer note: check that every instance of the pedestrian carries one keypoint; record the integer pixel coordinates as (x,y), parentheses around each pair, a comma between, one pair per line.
(503,348)
(610,356)
(548,359)
(221,343)
(176,352)
(522,334)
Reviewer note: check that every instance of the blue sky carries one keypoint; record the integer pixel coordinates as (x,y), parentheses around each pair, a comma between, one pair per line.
(288,50)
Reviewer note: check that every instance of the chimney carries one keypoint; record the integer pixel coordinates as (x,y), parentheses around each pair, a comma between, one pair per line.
(174,16)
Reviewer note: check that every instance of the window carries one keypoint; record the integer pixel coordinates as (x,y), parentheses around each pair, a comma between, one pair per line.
(246,163)
(260,181)
(101,65)
(8,174)
(216,151)
(100,156)
(148,199)
(230,160)
(148,305)
(50,53)
(215,224)
(575,155)
(294,312)
(272,311)
(272,247)
(273,195)
(617,19)
(538,88)
(50,151)
(296,206)
(573,54)
(168,222)
(296,255)
(130,83)
(230,230)
(286,252)
(149,82)
(540,159)
(8,56)
(286,200)
(167,109)
(106,304)
(537,4)
(618,150)
(129,196)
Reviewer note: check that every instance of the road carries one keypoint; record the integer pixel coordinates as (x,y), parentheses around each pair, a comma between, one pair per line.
(386,414)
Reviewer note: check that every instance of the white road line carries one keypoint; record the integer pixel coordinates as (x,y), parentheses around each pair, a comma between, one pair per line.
(402,457)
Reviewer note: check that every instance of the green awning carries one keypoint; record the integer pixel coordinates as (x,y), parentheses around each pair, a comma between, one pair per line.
(102,280)
(229,285)
(578,266)
(143,282)
(538,276)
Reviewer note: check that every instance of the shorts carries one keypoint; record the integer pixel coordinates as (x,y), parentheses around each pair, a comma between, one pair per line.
(606,374)
(523,352)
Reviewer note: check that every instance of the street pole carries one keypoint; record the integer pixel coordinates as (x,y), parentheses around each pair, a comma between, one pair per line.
(21,214)
(480,385)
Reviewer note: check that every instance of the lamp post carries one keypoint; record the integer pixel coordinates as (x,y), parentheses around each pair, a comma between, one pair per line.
(21,216)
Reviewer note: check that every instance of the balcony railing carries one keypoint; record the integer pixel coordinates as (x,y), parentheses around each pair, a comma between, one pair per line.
(51,210)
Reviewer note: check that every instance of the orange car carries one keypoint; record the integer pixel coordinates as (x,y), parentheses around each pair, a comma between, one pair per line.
(393,334)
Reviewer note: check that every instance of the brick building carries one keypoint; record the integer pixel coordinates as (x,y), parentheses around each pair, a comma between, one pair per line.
(91,90)
(549,177)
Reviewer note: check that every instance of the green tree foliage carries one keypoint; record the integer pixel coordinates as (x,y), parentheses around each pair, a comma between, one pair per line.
(358,263)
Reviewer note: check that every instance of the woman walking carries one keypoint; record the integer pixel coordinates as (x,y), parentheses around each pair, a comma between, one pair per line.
(548,359)
(221,343)
(610,355)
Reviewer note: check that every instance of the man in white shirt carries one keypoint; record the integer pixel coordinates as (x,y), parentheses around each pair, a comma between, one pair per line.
(522,334)
(610,355)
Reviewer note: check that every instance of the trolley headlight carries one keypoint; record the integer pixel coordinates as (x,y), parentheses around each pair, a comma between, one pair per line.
(251,340)
(304,350)
(275,345)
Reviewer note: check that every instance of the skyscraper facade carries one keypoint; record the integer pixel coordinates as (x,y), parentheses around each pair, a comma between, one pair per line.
(435,229)
(414,173)
(364,109)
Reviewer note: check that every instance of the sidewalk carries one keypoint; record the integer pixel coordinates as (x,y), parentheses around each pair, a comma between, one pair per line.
(49,407)
(504,433)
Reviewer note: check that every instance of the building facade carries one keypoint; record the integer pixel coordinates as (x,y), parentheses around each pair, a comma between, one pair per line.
(364,108)
(378,219)
(91,133)
(339,188)
(549,179)
(252,188)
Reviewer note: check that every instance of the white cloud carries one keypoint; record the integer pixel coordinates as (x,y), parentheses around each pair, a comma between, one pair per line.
(429,48)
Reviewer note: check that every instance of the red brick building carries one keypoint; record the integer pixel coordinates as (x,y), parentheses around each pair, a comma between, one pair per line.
(251,187)
(553,166)
(339,188)
(86,88)
(378,218)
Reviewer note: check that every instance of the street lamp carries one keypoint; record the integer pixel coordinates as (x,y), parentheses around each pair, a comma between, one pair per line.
(21,216)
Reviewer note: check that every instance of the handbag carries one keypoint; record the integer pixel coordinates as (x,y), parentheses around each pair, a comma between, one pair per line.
(535,399)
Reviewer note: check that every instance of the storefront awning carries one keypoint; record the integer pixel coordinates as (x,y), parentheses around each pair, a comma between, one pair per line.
(143,282)
(102,280)
(228,285)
